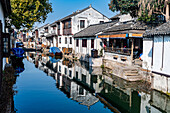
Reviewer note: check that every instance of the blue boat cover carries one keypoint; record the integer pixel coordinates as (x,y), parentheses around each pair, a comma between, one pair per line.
(18,52)
(54,50)
(53,60)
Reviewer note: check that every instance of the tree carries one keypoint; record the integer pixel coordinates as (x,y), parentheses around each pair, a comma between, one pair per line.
(146,10)
(26,12)
(125,6)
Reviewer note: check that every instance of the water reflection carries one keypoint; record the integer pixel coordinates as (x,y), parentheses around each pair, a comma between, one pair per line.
(88,86)
(17,64)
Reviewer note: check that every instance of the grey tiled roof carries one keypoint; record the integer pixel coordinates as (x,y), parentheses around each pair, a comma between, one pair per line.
(124,28)
(129,26)
(163,29)
(92,30)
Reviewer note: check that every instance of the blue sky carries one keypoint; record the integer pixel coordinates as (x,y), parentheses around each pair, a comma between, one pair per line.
(62,8)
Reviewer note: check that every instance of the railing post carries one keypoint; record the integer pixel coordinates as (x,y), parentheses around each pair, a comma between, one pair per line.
(132,49)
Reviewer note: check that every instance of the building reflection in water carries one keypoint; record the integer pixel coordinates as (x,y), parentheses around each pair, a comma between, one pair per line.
(88,86)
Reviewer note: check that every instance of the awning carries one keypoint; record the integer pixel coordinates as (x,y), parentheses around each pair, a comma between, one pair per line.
(119,36)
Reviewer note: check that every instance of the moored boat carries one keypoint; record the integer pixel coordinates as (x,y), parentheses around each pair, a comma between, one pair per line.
(18,52)
(55,51)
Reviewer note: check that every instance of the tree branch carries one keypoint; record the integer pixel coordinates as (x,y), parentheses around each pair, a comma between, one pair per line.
(160,13)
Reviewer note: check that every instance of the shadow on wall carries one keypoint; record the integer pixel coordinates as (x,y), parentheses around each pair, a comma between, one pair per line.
(150,53)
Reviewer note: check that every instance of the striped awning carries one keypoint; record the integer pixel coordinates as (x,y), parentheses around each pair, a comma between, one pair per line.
(118,36)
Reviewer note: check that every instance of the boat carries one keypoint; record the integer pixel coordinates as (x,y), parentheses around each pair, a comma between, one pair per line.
(19,44)
(18,52)
(55,51)
(53,59)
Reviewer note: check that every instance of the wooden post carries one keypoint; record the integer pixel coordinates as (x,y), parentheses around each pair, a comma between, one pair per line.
(132,49)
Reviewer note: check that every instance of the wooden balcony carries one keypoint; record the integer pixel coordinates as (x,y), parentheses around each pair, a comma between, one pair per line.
(67,31)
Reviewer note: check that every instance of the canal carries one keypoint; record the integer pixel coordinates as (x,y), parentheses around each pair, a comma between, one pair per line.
(51,85)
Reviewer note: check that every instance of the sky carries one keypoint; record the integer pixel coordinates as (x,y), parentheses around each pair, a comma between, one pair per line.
(63,8)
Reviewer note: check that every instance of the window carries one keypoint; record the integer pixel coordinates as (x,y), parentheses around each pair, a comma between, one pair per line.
(82,23)
(70,73)
(81,91)
(77,43)
(70,40)
(101,22)
(60,40)
(65,40)
(69,24)
(92,43)
(58,26)
(6,47)
(77,74)
(83,78)
(64,25)
(6,44)
(59,68)
(65,71)
(46,30)
(84,43)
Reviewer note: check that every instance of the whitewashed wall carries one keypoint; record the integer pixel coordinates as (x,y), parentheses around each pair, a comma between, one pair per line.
(63,44)
(157,54)
(87,50)
(91,16)
(81,71)
(147,53)
(166,66)
(125,18)
(2,17)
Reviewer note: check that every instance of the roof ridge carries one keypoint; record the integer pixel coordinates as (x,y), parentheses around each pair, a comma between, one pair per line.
(74,13)
(102,23)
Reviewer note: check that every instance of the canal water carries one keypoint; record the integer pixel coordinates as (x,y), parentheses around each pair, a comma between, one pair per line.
(51,85)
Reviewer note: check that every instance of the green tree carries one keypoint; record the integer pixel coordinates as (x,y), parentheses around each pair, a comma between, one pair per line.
(125,6)
(26,12)
(147,10)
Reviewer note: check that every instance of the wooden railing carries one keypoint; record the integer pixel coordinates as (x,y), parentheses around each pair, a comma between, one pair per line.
(67,31)
(123,51)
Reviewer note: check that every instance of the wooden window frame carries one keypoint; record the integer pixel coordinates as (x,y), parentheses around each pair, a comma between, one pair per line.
(77,42)
(65,40)
(84,43)
(92,43)
(82,23)
(6,36)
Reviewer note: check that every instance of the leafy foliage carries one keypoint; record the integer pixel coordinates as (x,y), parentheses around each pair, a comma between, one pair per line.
(147,10)
(26,12)
(125,6)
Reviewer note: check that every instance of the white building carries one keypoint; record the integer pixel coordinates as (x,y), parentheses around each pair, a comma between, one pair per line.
(77,21)
(86,40)
(156,57)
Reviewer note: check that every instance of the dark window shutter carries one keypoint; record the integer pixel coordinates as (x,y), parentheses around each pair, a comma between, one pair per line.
(6,44)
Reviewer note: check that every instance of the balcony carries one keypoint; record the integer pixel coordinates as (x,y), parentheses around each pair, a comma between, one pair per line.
(67,31)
